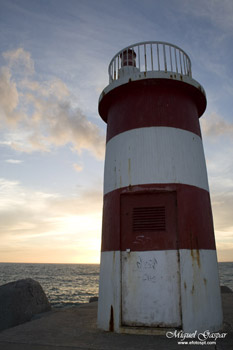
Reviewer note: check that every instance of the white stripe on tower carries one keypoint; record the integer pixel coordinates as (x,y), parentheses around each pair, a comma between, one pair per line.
(154,155)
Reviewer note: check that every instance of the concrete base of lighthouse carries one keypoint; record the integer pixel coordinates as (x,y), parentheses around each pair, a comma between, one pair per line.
(134,291)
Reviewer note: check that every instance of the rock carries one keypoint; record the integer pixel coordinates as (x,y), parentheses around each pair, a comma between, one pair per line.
(225,289)
(92,299)
(20,300)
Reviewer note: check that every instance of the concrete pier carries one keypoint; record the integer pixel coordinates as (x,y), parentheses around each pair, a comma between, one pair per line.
(75,328)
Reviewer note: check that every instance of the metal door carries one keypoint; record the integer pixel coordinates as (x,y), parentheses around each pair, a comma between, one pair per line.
(150,261)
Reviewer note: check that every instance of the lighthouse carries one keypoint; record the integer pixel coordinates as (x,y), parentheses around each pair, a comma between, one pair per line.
(158,255)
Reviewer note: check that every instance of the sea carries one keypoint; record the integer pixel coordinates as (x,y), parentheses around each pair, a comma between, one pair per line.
(64,284)
(72,284)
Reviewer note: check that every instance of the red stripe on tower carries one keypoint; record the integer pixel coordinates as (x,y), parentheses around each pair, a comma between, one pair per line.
(157,220)
(192,219)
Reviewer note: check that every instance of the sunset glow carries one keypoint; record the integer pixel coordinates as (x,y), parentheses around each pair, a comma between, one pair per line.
(53,66)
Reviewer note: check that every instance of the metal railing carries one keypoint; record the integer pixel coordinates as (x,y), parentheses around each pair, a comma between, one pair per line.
(150,56)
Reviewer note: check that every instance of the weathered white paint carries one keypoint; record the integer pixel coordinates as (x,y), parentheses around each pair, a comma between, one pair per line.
(127,71)
(155,155)
(135,76)
(109,290)
(150,289)
(161,68)
(200,291)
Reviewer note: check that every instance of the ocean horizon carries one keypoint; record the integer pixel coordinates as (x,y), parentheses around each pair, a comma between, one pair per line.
(70,284)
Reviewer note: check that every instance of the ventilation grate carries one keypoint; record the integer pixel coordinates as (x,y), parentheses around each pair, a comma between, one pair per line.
(149,219)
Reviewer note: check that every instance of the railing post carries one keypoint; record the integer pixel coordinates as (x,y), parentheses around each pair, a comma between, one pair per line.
(176,61)
(180,63)
(151,51)
(158,56)
(145,57)
(139,63)
(170,58)
(167,59)
(164,56)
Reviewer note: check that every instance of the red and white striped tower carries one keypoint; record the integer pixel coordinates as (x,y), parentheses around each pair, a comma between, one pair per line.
(158,256)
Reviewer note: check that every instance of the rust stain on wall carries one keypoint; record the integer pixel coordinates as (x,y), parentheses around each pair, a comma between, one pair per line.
(129,171)
(195,254)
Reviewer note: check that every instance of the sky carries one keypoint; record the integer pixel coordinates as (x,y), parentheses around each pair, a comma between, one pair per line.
(53,66)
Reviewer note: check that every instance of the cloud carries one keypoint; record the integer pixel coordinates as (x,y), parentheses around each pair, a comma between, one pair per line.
(222,203)
(33,219)
(218,12)
(13,161)
(9,98)
(47,89)
(42,112)
(221,188)
(78,167)
(81,204)
(20,60)
(214,125)
(23,208)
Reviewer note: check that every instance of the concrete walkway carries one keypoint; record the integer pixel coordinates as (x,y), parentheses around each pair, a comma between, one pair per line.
(75,328)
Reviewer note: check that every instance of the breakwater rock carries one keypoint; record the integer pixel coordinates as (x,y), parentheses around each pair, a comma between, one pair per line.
(20,301)
(225,289)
